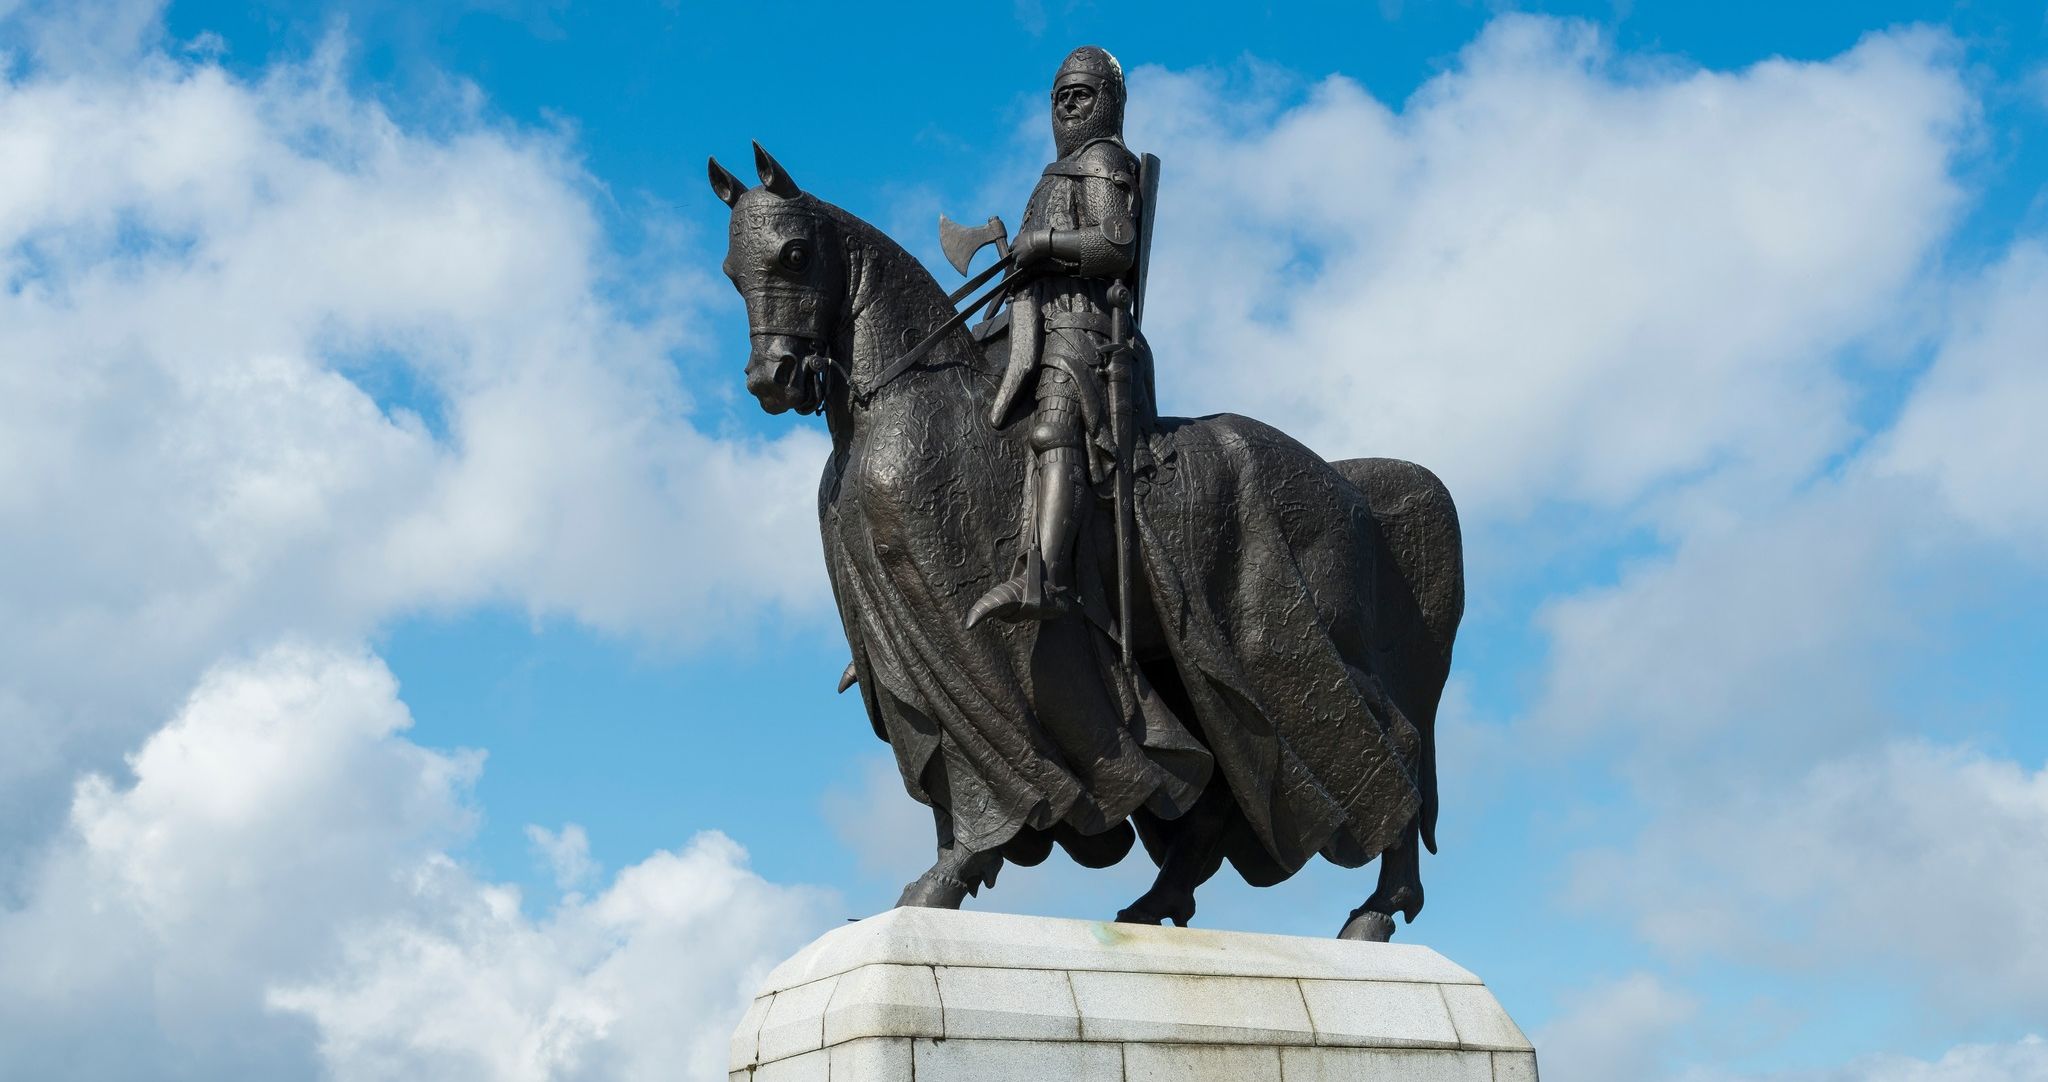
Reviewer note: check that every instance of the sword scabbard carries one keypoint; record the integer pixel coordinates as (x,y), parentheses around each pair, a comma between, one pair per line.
(1122,424)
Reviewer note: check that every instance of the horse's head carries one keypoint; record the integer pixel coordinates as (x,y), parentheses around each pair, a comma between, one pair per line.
(786,257)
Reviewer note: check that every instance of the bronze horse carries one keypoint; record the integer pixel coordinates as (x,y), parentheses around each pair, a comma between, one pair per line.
(1292,624)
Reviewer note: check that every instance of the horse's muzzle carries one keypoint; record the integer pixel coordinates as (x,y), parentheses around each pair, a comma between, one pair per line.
(778,377)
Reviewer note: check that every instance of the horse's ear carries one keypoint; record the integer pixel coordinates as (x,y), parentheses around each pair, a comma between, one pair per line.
(773,176)
(728,187)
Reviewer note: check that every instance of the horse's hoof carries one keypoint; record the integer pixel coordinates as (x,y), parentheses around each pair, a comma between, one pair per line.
(1366,926)
(1149,910)
(933,890)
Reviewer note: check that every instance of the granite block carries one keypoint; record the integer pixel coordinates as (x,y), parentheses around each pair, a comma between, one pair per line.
(795,1021)
(1008,1004)
(1480,1020)
(1383,1065)
(1177,1008)
(746,1037)
(1514,1067)
(1201,1063)
(884,1001)
(809,1067)
(872,1059)
(1015,1061)
(1379,1014)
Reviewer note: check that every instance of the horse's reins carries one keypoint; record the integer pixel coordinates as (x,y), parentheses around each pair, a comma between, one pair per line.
(918,352)
(817,364)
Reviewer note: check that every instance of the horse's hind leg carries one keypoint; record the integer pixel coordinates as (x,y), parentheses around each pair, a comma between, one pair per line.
(1399,891)
(1194,854)
(958,871)
(955,875)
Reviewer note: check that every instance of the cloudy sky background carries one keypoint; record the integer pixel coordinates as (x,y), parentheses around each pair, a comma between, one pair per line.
(417,662)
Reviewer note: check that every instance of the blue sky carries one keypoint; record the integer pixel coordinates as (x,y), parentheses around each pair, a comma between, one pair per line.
(424,663)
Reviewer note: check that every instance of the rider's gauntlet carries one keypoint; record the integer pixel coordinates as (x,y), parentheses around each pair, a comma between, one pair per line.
(1087,252)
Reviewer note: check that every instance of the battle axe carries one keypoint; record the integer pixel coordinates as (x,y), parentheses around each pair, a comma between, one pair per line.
(960,242)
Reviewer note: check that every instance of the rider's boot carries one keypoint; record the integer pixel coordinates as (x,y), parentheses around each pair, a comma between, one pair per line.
(1044,589)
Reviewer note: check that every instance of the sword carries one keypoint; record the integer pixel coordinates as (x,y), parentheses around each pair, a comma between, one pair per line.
(1122,423)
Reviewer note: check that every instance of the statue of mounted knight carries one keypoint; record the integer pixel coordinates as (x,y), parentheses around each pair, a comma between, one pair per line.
(1078,623)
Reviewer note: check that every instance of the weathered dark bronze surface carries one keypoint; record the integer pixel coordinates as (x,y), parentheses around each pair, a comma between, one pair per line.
(1074,621)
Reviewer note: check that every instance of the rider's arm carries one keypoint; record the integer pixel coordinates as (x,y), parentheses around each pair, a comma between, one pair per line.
(1104,250)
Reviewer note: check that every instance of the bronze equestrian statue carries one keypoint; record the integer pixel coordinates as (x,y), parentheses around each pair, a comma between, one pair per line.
(1194,633)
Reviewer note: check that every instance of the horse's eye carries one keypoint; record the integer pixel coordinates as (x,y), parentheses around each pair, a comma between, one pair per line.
(796,255)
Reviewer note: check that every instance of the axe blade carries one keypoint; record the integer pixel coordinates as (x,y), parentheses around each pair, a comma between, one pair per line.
(960,243)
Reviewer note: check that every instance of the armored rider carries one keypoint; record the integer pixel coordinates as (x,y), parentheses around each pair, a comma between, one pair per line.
(1080,232)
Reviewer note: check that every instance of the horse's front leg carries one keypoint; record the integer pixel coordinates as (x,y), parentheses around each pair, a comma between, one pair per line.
(957,873)
(1192,856)
(1399,891)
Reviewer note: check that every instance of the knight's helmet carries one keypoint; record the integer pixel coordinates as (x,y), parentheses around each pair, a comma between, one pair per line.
(1094,66)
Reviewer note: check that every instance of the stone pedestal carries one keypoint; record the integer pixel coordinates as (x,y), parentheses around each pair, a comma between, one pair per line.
(944,996)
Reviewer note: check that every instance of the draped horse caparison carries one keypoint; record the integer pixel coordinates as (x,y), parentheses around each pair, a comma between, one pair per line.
(1292,623)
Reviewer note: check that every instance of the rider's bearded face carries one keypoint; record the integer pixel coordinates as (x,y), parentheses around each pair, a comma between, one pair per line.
(1078,114)
(1073,104)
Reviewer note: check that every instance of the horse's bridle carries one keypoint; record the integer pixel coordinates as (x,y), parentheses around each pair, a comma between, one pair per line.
(778,310)
(775,308)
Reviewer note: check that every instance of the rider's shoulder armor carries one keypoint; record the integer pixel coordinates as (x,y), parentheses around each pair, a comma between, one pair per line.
(1108,159)
(1101,159)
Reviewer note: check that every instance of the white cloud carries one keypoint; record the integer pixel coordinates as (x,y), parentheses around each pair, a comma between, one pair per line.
(1801,807)
(136,212)
(567,852)
(1762,640)
(278,802)
(2024,1060)
(1797,791)
(1635,1029)
(1918,865)
(1555,274)
(274,892)
(1791,619)
(643,982)
(205,278)
(1974,423)
(1625,1030)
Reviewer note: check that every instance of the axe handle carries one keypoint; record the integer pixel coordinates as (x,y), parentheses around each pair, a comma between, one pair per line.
(975,282)
(995,302)
(918,351)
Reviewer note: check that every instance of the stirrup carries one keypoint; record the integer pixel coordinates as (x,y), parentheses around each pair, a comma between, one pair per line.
(1010,601)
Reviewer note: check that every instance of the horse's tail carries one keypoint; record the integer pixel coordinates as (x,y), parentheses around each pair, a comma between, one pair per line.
(1421,595)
